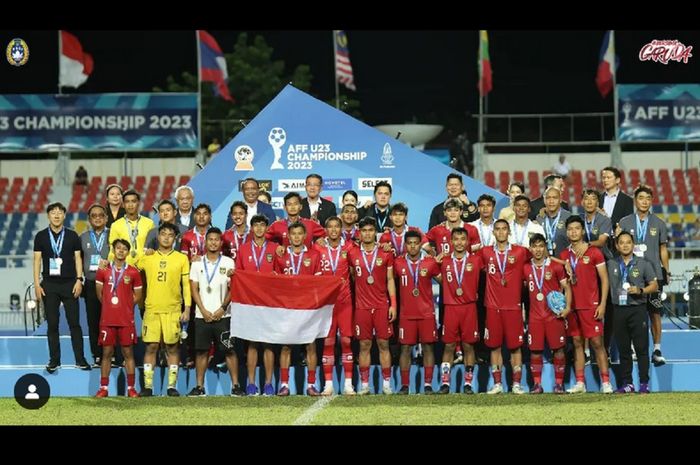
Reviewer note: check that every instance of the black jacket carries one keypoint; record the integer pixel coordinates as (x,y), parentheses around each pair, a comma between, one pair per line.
(325,210)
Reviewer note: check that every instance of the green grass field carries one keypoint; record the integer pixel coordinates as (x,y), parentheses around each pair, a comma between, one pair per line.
(586,409)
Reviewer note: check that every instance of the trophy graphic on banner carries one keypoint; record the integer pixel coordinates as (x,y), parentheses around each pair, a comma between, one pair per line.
(244,158)
(277,139)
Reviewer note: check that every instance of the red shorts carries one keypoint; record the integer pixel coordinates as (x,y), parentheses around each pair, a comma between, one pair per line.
(504,326)
(414,331)
(553,329)
(372,322)
(110,335)
(461,324)
(582,323)
(342,319)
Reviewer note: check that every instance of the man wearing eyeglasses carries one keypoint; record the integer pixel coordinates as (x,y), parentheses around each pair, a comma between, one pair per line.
(95,249)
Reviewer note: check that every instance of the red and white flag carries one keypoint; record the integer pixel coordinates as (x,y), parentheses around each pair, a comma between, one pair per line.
(281,309)
(74,65)
(343,68)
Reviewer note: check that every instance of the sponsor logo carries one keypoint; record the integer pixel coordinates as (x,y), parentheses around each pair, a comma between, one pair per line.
(244,156)
(337,184)
(277,139)
(367,184)
(291,185)
(277,203)
(264,184)
(387,157)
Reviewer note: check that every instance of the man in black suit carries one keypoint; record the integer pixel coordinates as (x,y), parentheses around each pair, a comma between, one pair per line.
(379,209)
(616,203)
(538,204)
(315,207)
(455,190)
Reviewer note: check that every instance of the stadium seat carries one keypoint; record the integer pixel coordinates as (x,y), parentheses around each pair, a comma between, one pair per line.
(591,180)
(634,179)
(110,180)
(519,176)
(490,179)
(184,179)
(503,181)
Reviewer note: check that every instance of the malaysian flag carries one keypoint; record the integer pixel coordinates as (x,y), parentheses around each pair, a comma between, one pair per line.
(343,68)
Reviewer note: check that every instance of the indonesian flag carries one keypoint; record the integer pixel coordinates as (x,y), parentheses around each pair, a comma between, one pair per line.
(74,65)
(281,309)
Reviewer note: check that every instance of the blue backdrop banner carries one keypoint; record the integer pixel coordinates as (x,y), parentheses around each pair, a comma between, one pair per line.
(659,112)
(296,135)
(75,122)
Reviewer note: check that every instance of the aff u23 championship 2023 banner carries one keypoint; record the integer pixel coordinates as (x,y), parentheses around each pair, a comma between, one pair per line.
(659,112)
(123,122)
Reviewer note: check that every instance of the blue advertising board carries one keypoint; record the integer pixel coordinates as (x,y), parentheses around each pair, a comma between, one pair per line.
(296,135)
(75,122)
(659,112)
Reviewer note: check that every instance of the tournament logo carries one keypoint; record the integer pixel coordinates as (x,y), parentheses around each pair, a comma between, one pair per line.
(244,158)
(277,138)
(387,157)
(586,259)
(17,52)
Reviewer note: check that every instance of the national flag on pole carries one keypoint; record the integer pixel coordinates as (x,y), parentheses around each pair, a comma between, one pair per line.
(485,83)
(281,309)
(213,65)
(343,68)
(74,65)
(607,66)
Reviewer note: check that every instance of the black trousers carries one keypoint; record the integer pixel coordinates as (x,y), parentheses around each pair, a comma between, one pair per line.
(631,326)
(57,291)
(94,310)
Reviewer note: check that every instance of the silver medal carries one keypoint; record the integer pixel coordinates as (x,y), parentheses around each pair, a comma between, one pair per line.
(460,291)
(625,286)
(643,247)
(370,279)
(416,293)
(540,296)
(115,300)
(208,289)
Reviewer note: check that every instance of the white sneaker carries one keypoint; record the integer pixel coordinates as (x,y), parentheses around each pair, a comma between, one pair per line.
(328,389)
(386,388)
(517,389)
(606,388)
(364,389)
(348,390)
(578,388)
(495,389)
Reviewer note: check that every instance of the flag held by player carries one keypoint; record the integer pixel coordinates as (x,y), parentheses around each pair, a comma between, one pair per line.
(280,309)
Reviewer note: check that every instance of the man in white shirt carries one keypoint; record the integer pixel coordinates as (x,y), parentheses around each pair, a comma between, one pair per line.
(563,168)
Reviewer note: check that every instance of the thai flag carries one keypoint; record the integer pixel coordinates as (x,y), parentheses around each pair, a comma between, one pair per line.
(281,309)
(607,66)
(213,65)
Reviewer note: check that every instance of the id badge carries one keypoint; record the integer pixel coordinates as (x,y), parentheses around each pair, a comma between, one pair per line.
(623,297)
(54,267)
(94,262)
(637,251)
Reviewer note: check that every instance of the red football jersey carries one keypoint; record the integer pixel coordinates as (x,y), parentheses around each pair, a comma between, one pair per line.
(554,273)
(339,257)
(397,240)
(192,243)
(122,313)
(373,295)
(441,236)
(308,262)
(231,241)
(586,292)
(421,306)
(265,255)
(277,232)
(470,279)
(508,297)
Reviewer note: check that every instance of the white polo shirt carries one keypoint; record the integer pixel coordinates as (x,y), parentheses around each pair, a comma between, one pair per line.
(219,283)
(521,236)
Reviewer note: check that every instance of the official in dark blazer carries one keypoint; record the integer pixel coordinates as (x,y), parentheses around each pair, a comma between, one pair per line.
(326,208)
(251,190)
(618,203)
